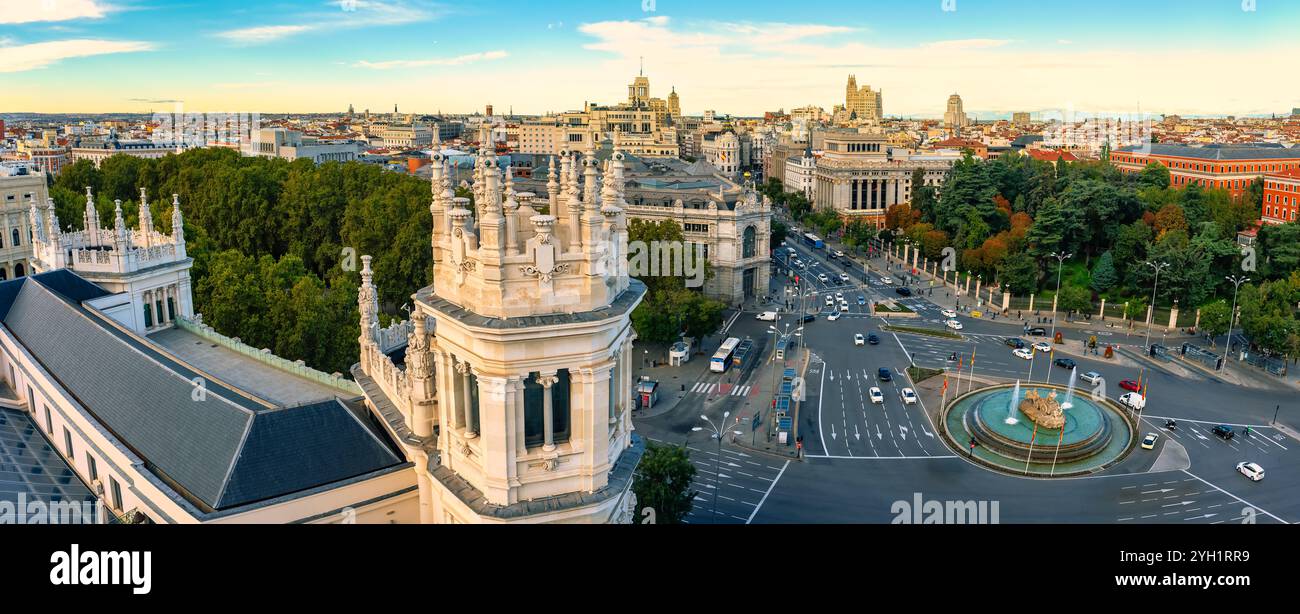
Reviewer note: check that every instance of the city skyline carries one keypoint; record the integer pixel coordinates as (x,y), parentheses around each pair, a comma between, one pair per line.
(427,57)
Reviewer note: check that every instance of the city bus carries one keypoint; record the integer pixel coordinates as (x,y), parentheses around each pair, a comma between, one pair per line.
(722,358)
(813,240)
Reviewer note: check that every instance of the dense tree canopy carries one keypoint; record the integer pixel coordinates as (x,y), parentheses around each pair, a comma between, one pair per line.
(271,239)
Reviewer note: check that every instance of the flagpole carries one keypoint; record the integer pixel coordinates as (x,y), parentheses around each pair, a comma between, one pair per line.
(1030,457)
(1058,445)
(970,376)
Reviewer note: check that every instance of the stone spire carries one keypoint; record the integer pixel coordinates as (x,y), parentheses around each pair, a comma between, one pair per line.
(552,186)
(368,303)
(589,174)
(90,219)
(146,220)
(119,226)
(37,222)
(491,223)
(52,230)
(178,225)
(437,205)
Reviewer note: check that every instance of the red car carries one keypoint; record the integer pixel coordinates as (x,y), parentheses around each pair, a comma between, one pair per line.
(1130,385)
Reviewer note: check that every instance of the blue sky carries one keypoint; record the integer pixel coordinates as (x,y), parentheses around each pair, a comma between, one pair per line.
(1106,56)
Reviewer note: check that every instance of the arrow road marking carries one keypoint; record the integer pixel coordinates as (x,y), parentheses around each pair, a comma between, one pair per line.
(833,436)
(856,434)
(1162,490)
(1179,503)
(878,433)
(903,430)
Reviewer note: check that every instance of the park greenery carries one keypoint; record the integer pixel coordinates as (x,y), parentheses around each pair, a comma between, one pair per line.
(670,308)
(268,239)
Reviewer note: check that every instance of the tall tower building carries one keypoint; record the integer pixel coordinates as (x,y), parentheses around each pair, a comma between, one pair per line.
(862,103)
(638,91)
(954,118)
(513,398)
(674,106)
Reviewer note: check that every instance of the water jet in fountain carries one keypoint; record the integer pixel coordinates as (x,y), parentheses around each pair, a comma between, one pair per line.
(1069,391)
(1012,408)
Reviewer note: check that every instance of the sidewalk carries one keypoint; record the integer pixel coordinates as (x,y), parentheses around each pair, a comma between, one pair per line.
(945,296)
(674,382)
(768,377)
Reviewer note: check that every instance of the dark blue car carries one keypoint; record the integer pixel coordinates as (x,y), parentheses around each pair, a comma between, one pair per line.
(884,375)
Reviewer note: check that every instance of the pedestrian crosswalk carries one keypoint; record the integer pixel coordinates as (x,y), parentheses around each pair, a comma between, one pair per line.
(718,389)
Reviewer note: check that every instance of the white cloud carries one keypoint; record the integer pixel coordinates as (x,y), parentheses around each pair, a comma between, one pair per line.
(1064,41)
(19,58)
(247,85)
(348,14)
(262,34)
(454,61)
(967,44)
(32,11)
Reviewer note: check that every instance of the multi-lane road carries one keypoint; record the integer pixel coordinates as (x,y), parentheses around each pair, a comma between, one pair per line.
(865,461)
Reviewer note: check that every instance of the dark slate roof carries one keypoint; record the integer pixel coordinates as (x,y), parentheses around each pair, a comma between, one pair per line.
(1217,152)
(219,450)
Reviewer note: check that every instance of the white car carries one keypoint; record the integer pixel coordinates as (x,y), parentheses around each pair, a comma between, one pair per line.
(830,301)
(886,280)
(876,396)
(948,313)
(1043,346)
(822,278)
(953,324)
(1133,401)
(1149,442)
(858,339)
(1024,353)
(908,395)
(839,296)
(766,316)
(1251,470)
(835,315)
(1092,377)
(844,277)
(844,306)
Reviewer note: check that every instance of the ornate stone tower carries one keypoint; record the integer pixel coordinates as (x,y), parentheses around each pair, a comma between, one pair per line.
(149,267)
(513,398)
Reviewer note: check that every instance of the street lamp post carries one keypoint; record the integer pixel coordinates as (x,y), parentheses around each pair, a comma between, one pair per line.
(716,430)
(1155,284)
(1236,280)
(1061,257)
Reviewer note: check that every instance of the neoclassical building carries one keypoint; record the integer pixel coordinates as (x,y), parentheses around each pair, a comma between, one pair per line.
(504,398)
(19,185)
(860,176)
(163,419)
(729,221)
(511,392)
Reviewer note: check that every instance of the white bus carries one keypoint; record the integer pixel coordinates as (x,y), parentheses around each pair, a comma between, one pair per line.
(722,358)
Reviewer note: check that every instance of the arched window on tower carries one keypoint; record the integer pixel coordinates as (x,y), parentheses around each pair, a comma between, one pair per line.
(747,247)
(19,270)
(16,241)
(535,412)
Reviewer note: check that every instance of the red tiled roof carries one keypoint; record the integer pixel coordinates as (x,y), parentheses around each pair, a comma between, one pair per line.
(1051,155)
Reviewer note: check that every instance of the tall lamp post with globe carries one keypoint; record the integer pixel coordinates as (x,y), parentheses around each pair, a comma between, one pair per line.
(717,430)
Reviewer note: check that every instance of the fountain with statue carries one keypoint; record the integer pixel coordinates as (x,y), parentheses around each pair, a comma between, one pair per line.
(1029,429)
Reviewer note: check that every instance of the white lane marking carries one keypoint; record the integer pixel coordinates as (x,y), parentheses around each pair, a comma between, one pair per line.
(769,491)
(1266,512)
